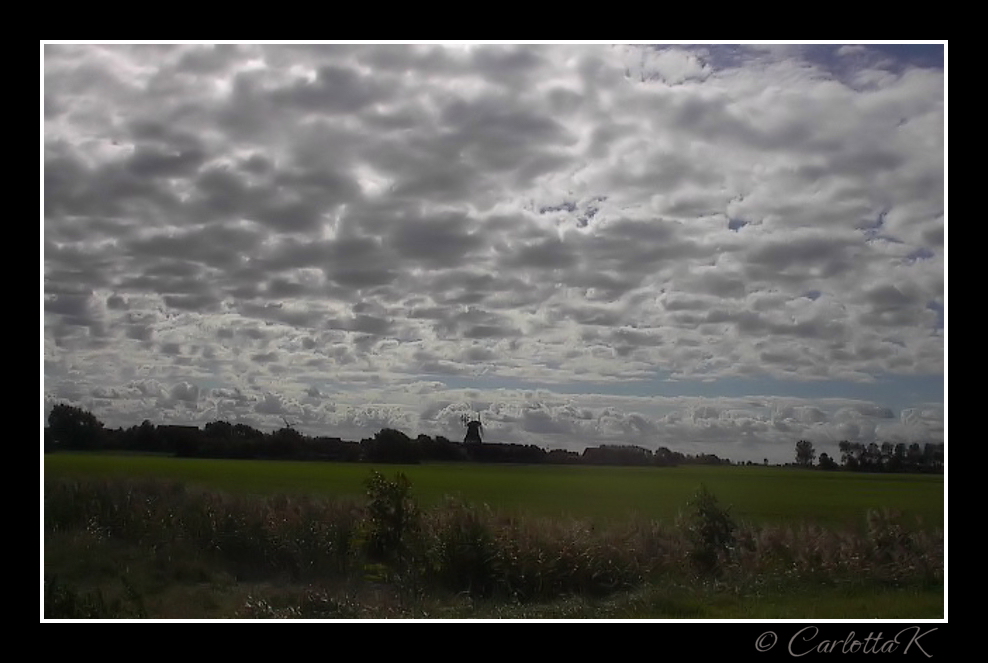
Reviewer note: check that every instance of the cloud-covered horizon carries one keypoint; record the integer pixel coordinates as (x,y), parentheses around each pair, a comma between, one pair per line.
(719,249)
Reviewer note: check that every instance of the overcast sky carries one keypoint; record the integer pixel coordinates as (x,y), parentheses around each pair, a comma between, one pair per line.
(715,248)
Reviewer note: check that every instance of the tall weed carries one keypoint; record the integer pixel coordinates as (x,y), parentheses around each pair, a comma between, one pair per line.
(454,549)
(710,530)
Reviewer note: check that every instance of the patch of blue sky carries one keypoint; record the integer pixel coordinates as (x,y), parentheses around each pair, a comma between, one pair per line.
(938,307)
(895,392)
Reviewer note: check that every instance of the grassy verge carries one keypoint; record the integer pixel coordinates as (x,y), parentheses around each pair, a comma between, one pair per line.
(135,549)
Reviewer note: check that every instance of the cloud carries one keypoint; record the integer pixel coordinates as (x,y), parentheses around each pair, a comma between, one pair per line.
(298,224)
(185,392)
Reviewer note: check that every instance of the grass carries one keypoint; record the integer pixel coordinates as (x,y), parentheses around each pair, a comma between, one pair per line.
(146,548)
(756,494)
(664,603)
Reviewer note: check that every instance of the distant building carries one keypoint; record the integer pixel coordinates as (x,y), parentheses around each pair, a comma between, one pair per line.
(474,429)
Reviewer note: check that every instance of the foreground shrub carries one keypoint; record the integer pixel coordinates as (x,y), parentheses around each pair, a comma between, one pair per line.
(252,537)
(886,552)
(540,559)
(899,553)
(392,519)
(64,601)
(388,546)
(461,548)
(473,550)
(709,529)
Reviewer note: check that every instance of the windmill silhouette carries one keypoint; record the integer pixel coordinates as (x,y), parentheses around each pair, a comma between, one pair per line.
(474,429)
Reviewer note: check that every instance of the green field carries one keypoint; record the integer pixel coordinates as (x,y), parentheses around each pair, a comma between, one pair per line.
(754,494)
(132,536)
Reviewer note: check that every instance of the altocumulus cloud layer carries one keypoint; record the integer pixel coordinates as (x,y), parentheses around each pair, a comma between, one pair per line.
(714,248)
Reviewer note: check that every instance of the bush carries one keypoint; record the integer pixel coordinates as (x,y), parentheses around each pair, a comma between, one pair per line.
(709,530)
(392,518)
(897,553)
(461,548)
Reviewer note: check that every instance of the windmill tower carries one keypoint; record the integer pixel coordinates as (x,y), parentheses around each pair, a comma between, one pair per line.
(474,429)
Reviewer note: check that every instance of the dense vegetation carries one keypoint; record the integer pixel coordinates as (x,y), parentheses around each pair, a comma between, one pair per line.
(158,549)
(887,457)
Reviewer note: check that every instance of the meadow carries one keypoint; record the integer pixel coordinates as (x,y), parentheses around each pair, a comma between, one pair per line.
(754,494)
(201,538)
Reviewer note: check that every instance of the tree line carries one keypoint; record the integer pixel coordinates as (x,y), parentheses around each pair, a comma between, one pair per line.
(875,457)
(72,428)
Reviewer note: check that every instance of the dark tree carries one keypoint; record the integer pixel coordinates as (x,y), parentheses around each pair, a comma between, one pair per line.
(284,443)
(827,463)
(75,428)
(849,454)
(871,459)
(146,437)
(439,448)
(898,462)
(219,430)
(615,454)
(805,453)
(932,457)
(666,457)
(390,446)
